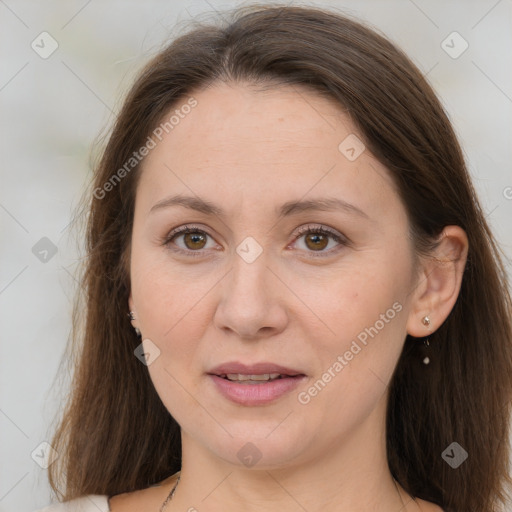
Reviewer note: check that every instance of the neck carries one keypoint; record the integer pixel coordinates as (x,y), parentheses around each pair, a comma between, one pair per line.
(350,474)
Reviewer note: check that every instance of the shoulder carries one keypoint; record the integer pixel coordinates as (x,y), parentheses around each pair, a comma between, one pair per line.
(88,503)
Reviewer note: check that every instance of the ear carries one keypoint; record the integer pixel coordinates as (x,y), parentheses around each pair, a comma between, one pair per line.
(134,320)
(438,283)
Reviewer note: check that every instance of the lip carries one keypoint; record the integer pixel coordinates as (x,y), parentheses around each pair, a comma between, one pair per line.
(255,394)
(253,369)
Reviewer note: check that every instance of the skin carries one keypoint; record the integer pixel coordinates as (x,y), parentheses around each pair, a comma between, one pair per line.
(250,151)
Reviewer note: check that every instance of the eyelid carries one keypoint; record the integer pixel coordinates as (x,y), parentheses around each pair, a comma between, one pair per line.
(320,228)
(341,239)
(183,230)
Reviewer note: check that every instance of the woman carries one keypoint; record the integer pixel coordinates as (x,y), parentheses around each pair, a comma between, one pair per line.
(293,300)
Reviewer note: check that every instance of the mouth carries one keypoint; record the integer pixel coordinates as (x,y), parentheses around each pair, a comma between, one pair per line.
(256,384)
(256,378)
(261,371)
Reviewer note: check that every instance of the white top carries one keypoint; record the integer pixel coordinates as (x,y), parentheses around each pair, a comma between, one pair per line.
(88,503)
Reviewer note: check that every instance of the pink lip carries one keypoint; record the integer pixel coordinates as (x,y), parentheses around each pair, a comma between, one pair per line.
(256,394)
(253,369)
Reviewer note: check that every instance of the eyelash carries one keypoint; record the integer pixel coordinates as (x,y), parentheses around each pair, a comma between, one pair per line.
(302,231)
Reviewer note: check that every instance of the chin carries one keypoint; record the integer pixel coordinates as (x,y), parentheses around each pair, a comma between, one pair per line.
(264,446)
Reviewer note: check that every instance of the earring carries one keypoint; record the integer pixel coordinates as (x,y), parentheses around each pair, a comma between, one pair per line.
(426,323)
(131,315)
(426,359)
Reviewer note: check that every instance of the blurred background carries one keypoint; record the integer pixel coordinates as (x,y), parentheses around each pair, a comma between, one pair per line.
(65,66)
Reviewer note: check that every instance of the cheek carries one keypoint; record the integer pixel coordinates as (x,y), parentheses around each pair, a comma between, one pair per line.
(354,365)
(360,318)
(350,300)
(167,297)
(173,317)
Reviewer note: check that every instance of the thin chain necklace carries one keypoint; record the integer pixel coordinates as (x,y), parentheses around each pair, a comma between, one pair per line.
(396,487)
(413,499)
(171,494)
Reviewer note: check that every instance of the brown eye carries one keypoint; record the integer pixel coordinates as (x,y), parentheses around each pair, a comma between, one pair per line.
(316,241)
(189,240)
(194,240)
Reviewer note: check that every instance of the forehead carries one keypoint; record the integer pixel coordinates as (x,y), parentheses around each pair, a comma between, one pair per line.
(284,141)
(283,117)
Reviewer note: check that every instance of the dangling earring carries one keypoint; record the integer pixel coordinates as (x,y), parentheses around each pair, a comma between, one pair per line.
(131,315)
(426,323)
(426,359)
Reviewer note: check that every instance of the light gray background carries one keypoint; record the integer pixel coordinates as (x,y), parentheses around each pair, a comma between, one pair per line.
(52,110)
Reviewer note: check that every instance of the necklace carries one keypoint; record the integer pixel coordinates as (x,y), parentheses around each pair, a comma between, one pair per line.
(413,499)
(396,487)
(171,494)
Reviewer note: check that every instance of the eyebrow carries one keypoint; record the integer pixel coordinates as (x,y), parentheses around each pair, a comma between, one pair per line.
(286,209)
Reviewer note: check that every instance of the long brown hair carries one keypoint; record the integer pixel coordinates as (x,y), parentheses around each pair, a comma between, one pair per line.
(115,435)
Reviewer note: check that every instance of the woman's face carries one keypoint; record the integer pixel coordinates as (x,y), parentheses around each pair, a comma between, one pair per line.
(254,283)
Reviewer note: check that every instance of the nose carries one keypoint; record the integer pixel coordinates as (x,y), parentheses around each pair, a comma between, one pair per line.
(251,303)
